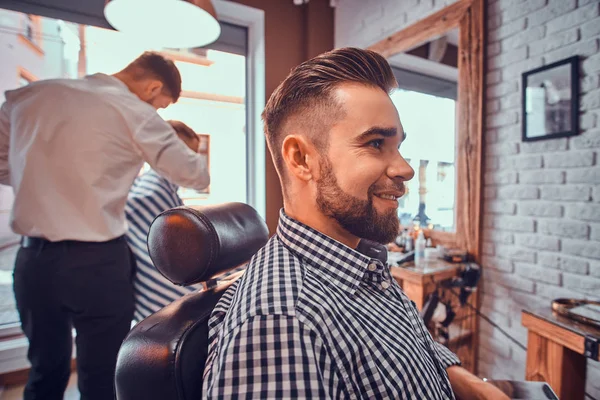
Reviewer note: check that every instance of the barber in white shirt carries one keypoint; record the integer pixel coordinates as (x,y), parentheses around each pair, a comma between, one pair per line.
(71,150)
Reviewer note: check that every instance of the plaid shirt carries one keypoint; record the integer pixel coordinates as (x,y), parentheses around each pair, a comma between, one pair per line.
(313,318)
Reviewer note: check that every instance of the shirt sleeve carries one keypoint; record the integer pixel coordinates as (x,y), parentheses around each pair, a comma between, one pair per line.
(447,357)
(4,145)
(268,357)
(169,156)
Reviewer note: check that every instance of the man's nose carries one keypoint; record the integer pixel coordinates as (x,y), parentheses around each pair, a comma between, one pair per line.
(400,168)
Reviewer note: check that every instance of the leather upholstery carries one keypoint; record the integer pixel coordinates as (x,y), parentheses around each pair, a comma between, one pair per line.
(190,245)
(163,356)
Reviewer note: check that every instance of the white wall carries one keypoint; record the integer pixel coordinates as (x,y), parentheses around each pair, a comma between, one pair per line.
(541,211)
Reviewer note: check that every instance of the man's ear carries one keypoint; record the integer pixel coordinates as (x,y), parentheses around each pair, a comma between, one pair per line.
(299,156)
(154,88)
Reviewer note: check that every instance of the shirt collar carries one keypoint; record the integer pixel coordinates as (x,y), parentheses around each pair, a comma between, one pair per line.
(342,265)
(108,78)
(373,250)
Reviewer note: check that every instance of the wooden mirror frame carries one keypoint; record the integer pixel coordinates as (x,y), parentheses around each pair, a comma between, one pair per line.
(468,16)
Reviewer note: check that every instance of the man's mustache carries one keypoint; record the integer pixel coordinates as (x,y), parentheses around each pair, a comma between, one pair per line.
(396,187)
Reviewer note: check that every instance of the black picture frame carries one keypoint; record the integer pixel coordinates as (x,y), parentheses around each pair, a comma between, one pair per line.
(550,101)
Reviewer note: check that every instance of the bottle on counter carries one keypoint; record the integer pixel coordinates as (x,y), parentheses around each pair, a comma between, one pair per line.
(408,242)
(420,244)
(431,253)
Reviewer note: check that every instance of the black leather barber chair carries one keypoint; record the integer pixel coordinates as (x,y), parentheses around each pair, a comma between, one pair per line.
(163,356)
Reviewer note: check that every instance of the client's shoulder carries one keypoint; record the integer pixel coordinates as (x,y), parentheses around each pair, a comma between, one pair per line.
(270,285)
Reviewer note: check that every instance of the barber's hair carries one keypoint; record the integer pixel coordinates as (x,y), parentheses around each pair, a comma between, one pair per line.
(183,130)
(306,94)
(157,66)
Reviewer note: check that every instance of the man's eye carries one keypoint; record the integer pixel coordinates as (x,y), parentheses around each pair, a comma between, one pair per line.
(377,143)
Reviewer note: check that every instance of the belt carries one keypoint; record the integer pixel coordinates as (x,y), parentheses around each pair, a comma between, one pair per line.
(29,242)
(38,242)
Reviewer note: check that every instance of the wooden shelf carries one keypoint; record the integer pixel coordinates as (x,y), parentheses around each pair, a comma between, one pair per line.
(431,271)
(419,282)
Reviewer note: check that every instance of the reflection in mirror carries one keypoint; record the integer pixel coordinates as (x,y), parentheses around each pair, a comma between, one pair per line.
(426,100)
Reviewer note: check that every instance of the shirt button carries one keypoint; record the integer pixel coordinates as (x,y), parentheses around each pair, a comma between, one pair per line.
(372,267)
(385,285)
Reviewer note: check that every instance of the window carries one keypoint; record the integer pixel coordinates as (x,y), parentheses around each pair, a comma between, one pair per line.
(215,103)
(427,108)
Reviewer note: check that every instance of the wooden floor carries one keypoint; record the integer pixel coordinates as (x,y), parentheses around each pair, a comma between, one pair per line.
(16,392)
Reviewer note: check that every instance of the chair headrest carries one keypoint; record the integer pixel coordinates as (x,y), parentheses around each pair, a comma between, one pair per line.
(192,244)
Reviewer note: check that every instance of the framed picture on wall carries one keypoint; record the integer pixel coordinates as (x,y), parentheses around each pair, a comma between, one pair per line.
(550,104)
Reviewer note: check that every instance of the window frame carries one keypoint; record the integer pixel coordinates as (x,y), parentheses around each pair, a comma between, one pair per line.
(34,43)
(22,73)
(13,354)
(253,20)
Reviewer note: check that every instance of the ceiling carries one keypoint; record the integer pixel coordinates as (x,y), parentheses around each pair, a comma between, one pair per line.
(233,39)
(88,12)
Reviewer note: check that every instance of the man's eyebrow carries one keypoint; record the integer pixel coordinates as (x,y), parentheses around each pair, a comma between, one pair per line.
(377,131)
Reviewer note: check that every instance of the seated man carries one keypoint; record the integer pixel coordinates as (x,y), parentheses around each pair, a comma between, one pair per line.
(150,195)
(317,313)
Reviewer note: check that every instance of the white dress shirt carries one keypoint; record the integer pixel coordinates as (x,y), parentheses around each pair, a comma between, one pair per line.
(71,149)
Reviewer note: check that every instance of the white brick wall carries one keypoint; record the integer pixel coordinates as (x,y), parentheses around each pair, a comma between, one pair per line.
(541,221)
(552,218)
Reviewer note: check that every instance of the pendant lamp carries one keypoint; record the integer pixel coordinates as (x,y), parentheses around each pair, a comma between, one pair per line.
(165,23)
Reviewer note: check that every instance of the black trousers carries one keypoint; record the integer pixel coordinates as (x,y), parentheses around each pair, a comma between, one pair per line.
(68,284)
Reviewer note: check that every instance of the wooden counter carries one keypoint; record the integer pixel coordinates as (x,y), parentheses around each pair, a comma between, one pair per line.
(555,351)
(419,282)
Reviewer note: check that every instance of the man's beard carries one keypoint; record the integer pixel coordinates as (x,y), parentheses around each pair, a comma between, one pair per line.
(359,217)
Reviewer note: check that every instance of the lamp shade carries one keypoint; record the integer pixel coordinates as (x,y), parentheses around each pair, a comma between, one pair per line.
(165,23)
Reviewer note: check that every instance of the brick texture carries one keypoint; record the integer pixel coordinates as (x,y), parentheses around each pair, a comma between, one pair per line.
(521,162)
(567,192)
(538,242)
(537,273)
(540,209)
(569,159)
(541,200)
(564,228)
(559,261)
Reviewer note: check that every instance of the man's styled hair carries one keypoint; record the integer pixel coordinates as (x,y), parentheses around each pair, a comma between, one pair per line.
(157,66)
(306,95)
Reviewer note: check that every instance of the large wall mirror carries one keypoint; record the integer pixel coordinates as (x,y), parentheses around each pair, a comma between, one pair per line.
(438,63)
(426,100)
